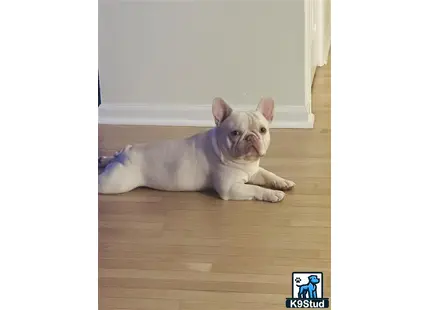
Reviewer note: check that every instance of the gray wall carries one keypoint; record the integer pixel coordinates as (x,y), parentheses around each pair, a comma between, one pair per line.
(180,52)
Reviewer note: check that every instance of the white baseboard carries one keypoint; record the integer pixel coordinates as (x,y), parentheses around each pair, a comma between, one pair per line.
(191,115)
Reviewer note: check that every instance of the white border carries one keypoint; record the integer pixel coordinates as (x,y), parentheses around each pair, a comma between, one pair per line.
(380,154)
(48,219)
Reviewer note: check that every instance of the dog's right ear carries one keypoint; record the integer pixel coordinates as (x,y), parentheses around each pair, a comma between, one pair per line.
(220,110)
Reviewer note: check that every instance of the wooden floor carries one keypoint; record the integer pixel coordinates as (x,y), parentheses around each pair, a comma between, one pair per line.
(192,251)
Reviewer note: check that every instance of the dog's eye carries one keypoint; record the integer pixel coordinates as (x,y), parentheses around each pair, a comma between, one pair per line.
(235,133)
(263,130)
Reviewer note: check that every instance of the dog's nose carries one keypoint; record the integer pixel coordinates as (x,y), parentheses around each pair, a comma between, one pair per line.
(250,137)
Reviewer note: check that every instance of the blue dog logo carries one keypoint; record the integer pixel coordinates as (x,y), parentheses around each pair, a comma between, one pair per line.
(309,290)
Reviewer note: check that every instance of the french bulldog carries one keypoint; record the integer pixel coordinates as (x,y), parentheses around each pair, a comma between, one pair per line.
(225,158)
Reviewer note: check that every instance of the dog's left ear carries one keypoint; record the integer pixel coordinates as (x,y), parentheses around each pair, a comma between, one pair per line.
(267,107)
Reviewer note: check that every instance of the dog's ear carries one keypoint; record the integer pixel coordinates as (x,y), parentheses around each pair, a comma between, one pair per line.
(220,110)
(267,108)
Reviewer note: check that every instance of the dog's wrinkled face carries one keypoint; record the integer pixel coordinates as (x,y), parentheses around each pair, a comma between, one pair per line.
(243,135)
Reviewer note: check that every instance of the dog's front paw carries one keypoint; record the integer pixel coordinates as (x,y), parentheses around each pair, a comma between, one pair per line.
(283,184)
(274,196)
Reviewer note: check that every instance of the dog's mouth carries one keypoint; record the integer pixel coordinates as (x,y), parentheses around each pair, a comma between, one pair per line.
(259,151)
(253,152)
(255,147)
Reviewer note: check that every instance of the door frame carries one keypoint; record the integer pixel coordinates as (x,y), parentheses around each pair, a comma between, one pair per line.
(100,99)
(323,31)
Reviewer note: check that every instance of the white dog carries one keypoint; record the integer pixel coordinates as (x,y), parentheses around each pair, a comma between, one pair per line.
(225,158)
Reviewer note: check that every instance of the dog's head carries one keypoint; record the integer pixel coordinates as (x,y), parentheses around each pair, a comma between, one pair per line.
(243,135)
(313,279)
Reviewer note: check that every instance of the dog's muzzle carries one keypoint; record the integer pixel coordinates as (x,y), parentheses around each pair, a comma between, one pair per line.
(255,142)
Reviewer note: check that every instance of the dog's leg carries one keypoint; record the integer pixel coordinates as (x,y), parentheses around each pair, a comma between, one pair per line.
(120,175)
(301,294)
(105,160)
(241,191)
(118,178)
(266,178)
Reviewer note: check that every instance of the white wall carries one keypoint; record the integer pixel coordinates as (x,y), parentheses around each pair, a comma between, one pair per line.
(157,58)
